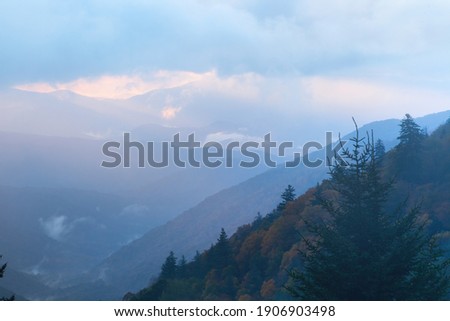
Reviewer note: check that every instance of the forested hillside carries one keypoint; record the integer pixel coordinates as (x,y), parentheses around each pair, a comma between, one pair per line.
(131,267)
(290,251)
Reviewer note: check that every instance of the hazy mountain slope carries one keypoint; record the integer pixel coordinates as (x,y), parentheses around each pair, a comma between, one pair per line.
(24,286)
(133,265)
(57,183)
(57,233)
(55,140)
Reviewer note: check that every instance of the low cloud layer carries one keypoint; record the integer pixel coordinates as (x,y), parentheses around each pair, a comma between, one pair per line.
(118,86)
(293,107)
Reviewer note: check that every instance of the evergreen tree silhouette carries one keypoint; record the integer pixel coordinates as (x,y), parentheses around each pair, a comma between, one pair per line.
(287,196)
(408,152)
(2,272)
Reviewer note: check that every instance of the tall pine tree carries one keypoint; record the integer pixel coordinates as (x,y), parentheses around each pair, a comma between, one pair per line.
(169,267)
(409,149)
(363,252)
(380,150)
(221,254)
(287,196)
(219,282)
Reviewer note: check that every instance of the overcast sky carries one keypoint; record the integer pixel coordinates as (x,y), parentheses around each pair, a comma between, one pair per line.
(380,58)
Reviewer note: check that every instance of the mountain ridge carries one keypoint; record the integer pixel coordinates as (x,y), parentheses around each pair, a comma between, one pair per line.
(142,258)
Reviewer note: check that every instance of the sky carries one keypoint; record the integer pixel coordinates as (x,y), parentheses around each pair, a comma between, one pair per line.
(370,59)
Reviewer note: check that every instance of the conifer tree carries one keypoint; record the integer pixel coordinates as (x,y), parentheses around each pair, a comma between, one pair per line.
(411,134)
(219,281)
(287,196)
(362,252)
(380,150)
(2,268)
(169,267)
(181,269)
(409,149)
(2,272)
(221,254)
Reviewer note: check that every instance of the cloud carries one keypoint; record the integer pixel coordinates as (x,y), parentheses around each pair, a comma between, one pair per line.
(58,227)
(287,105)
(243,86)
(118,86)
(98,135)
(53,41)
(169,112)
(370,99)
(55,227)
(135,210)
(223,137)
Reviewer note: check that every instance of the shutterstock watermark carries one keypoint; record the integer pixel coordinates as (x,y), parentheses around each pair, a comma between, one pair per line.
(191,152)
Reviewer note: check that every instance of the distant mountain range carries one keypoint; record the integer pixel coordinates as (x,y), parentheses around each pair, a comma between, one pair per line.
(64,217)
(51,177)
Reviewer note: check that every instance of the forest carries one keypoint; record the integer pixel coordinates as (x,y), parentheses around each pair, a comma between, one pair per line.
(375,229)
